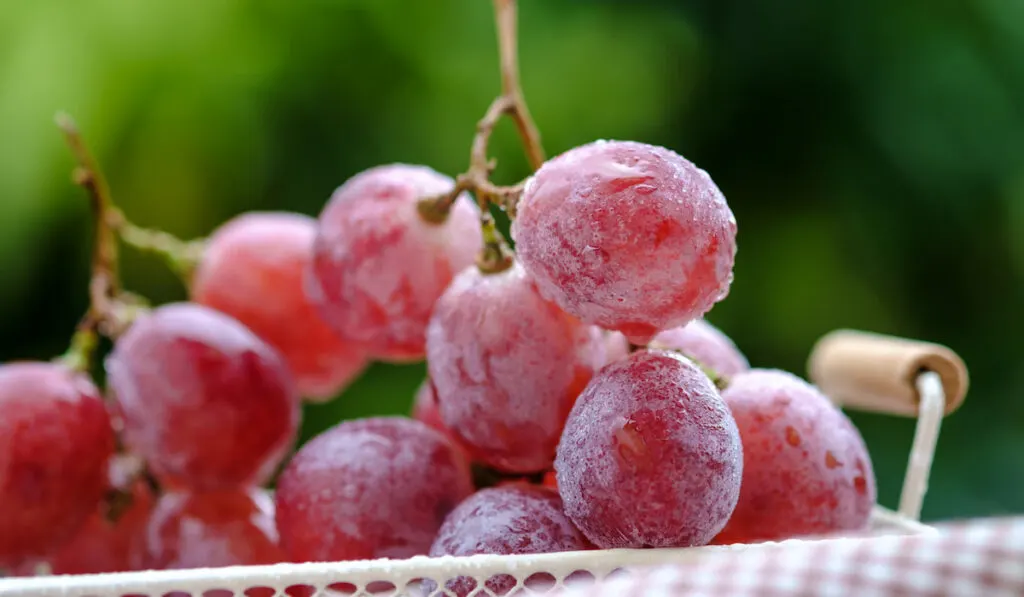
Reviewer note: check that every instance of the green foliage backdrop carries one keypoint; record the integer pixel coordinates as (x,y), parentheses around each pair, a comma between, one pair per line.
(873,153)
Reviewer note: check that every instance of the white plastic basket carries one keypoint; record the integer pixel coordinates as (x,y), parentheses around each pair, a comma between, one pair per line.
(862,370)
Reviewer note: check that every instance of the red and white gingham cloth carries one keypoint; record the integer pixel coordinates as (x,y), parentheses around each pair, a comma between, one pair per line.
(981,558)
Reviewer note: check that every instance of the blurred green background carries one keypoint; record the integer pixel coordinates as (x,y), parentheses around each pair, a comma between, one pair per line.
(873,153)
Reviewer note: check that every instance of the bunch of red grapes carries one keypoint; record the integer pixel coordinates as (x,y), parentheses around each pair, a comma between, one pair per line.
(580,375)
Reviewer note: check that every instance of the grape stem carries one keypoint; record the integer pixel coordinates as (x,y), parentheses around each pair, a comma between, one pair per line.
(182,256)
(110,311)
(505,18)
(477,179)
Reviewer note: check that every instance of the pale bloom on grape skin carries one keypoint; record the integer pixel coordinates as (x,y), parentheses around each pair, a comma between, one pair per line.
(205,401)
(806,468)
(253,269)
(372,488)
(379,266)
(705,343)
(212,529)
(650,456)
(627,236)
(55,441)
(104,545)
(514,519)
(507,366)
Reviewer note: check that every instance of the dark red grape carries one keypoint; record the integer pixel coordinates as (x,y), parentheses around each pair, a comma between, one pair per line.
(628,236)
(806,470)
(110,541)
(513,519)
(707,344)
(212,529)
(253,269)
(650,456)
(206,402)
(367,489)
(379,266)
(507,366)
(55,442)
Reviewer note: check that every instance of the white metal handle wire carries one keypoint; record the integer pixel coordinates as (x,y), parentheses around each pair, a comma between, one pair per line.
(932,407)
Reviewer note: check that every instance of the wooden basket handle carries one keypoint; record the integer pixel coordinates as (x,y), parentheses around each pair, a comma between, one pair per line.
(895,376)
(880,373)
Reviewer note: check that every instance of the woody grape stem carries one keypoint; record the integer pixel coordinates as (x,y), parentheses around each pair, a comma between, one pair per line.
(506,19)
(106,313)
(510,103)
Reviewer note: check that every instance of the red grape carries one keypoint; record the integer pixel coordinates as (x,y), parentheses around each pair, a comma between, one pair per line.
(253,269)
(707,344)
(366,489)
(424,408)
(507,366)
(212,529)
(379,266)
(616,346)
(628,236)
(650,456)
(514,519)
(55,441)
(109,541)
(426,411)
(806,470)
(550,480)
(206,402)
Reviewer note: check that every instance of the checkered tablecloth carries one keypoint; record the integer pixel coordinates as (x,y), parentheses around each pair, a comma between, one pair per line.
(982,558)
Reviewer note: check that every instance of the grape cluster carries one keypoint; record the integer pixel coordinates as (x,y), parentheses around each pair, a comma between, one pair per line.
(576,397)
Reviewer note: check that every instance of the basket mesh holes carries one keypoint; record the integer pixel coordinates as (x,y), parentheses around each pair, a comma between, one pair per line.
(617,573)
(580,577)
(540,582)
(260,592)
(300,591)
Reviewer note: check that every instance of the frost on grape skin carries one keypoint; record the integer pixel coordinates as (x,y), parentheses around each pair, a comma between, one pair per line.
(425,409)
(379,266)
(206,402)
(103,545)
(806,468)
(372,488)
(214,529)
(507,366)
(616,346)
(514,519)
(253,269)
(55,441)
(627,236)
(650,456)
(707,344)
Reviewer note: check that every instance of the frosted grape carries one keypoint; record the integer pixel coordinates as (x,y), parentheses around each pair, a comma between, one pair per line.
(372,488)
(507,366)
(616,345)
(206,402)
(513,519)
(212,529)
(379,266)
(253,269)
(705,343)
(113,538)
(806,469)
(628,236)
(650,456)
(55,442)
(425,409)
